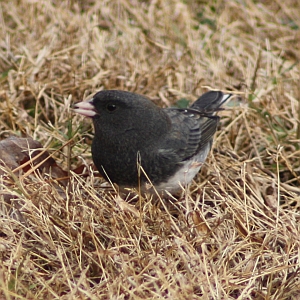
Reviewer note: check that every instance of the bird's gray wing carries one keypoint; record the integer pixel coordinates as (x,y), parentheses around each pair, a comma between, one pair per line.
(191,132)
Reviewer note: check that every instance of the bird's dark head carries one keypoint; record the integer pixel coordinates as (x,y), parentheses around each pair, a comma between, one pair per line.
(118,112)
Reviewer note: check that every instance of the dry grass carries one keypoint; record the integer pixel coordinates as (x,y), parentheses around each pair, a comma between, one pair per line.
(235,234)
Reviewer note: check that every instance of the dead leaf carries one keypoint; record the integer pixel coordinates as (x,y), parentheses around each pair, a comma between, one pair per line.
(25,153)
(198,222)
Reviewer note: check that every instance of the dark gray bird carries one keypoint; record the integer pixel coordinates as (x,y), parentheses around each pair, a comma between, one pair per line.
(170,144)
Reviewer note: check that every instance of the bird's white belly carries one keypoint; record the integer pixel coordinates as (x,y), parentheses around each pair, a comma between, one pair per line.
(185,174)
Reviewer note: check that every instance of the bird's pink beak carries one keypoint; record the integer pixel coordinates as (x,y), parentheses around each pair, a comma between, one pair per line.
(85,108)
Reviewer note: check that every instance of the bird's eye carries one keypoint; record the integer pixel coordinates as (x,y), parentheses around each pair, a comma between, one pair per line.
(111,107)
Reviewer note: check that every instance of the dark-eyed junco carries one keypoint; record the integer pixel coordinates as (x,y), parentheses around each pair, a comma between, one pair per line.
(170,144)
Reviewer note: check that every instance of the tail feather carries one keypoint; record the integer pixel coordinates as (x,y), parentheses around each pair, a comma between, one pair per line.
(210,101)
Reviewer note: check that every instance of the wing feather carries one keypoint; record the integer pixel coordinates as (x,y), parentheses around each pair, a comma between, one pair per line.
(192,131)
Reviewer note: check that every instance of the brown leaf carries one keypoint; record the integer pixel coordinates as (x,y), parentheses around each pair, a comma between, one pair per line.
(198,222)
(27,154)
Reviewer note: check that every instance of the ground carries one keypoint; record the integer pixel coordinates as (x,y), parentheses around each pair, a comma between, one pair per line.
(233,234)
